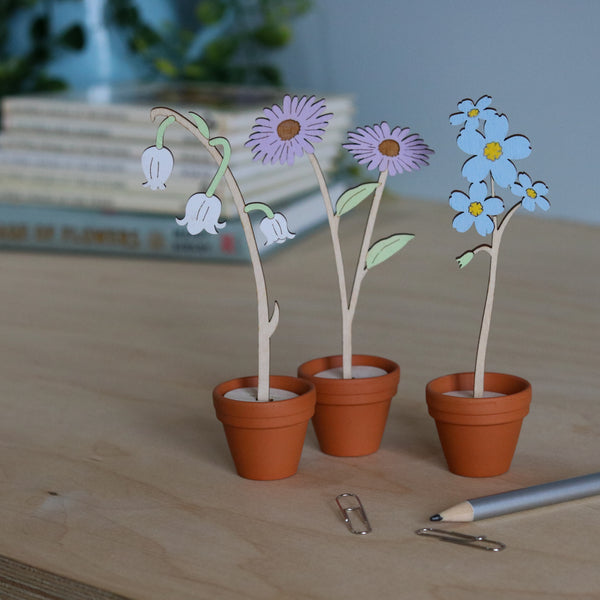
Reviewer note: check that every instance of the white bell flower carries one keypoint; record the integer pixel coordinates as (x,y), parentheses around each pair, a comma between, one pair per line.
(157,164)
(202,213)
(275,229)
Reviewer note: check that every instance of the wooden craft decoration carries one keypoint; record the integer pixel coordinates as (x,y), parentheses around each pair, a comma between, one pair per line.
(485,138)
(203,210)
(290,130)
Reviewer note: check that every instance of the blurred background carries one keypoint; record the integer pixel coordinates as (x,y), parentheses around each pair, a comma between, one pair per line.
(405,62)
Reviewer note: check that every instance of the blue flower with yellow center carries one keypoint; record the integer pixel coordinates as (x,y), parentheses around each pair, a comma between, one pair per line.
(531,194)
(493,152)
(476,209)
(470,112)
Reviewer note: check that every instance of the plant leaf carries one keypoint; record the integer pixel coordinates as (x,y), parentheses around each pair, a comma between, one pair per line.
(383,249)
(464,259)
(353,197)
(202,125)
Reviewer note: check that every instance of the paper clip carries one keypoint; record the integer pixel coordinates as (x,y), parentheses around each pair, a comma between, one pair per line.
(473,541)
(349,511)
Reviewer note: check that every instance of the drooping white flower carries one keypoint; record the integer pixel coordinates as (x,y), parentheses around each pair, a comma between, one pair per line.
(202,213)
(276,229)
(157,164)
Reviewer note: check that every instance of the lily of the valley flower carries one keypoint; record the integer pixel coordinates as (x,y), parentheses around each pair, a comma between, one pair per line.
(157,164)
(275,229)
(202,213)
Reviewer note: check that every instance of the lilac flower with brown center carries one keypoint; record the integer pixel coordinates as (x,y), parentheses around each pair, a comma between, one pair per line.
(393,150)
(288,131)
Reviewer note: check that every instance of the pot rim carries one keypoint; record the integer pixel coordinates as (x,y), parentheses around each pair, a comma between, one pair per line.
(265,414)
(513,405)
(316,365)
(502,383)
(363,390)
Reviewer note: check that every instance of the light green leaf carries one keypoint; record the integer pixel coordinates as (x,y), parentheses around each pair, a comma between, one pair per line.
(353,197)
(201,125)
(464,259)
(383,249)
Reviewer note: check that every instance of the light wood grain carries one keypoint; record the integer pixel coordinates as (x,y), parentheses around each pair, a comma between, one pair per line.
(115,471)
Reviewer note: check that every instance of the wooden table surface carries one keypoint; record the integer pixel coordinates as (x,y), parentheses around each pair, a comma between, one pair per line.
(115,472)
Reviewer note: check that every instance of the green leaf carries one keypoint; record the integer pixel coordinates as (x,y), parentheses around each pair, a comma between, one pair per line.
(202,125)
(353,197)
(383,249)
(273,35)
(464,259)
(210,12)
(39,28)
(73,38)
(166,67)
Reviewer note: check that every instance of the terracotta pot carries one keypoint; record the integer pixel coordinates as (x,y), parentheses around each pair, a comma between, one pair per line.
(265,438)
(478,435)
(350,414)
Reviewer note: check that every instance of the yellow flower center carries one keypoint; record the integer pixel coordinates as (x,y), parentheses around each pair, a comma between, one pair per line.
(473,112)
(288,129)
(475,208)
(531,193)
(389,148)
(492,151)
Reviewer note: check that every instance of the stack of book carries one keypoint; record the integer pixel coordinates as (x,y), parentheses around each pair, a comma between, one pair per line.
(72,179)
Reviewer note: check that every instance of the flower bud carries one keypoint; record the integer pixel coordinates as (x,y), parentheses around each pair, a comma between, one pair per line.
(464,259)
(202,213)
(276,229)
(157,165)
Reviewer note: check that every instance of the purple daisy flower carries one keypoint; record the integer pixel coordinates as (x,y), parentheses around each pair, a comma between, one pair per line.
(394,150)
(289,130)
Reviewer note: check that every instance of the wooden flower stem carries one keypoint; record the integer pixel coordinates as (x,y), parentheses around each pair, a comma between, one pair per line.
(266,324)
(348,306)
(361,269)
(484,331)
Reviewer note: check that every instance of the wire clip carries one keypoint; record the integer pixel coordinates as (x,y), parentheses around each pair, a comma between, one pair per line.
(353,513)
(473,541)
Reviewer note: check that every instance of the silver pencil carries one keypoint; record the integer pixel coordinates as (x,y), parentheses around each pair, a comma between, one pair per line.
(522,499)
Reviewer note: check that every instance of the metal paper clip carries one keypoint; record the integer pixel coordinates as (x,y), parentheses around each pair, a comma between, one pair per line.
(473,541)
(354,513)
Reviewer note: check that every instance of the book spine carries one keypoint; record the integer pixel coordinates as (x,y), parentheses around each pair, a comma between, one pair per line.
(30,227)
(65,230)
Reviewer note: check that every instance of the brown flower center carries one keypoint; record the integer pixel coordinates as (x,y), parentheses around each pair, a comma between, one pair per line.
(389,148)
(288,129)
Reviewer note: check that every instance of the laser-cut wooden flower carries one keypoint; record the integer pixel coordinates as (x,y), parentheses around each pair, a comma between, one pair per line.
(290,130)
(203,210)
(395,151)
(485,137)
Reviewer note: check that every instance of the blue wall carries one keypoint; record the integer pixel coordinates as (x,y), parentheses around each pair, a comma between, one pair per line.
(410,63)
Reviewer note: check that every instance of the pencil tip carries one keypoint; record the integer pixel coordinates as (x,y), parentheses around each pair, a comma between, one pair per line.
(435,518)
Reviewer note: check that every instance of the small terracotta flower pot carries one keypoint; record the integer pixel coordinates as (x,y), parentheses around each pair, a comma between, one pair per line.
(350,414)
(265,438)
(478,435)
